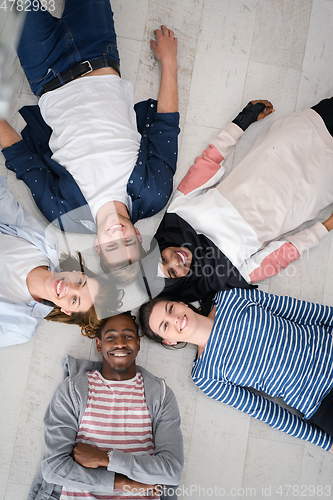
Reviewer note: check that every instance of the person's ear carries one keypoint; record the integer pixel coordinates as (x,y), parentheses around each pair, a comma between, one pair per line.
(97,247)
(66,312)
(138,235)
(169,342)
(98,345)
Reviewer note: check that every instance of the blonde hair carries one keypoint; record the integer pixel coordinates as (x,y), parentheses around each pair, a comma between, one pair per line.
(106,302)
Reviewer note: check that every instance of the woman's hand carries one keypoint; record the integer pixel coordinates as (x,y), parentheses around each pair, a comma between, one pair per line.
(267,111)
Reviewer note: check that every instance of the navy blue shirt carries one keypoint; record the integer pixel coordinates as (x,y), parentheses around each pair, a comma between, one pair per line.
(54,189)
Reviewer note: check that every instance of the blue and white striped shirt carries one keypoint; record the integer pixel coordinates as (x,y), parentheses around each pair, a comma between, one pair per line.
(278,345)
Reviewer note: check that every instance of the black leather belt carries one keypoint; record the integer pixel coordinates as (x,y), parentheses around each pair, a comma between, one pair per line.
(80,69)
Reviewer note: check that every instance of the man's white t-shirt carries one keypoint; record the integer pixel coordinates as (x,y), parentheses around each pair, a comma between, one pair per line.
(18,257)
(94,135)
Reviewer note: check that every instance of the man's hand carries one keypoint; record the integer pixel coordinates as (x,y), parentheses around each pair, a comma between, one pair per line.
(89,456)
(267,111)
(165,49)
(124,483)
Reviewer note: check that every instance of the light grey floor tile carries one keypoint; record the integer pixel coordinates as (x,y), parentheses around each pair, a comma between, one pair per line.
(221,62)
(317,471)
(220,463)
(14,377)
(280,32)
(316,82)
(260,470)
(130,18)
(3,485)
(15,491)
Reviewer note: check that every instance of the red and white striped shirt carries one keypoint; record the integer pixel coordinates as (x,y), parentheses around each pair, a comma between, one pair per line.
(116,417)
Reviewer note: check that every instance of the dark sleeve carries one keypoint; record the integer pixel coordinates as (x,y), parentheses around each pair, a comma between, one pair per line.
(53,188)
(151,182)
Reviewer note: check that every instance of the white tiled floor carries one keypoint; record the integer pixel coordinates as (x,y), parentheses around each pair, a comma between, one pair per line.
(230,51)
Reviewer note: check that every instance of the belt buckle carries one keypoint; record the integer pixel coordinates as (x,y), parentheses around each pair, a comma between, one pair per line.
(90,68)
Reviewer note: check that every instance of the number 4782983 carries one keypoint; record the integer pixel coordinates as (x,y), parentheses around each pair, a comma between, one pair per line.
(27,5)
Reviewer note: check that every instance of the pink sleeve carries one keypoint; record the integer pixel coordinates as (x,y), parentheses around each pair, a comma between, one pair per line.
(278,254)
(204,168)
(274,262)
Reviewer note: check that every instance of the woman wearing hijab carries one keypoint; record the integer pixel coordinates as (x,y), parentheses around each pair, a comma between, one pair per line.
(215,238)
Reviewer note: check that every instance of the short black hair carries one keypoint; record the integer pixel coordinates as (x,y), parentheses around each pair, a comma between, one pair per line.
(126,313)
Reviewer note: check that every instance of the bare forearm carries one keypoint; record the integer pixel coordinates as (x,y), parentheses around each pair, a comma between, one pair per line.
(168,96)
(165,49)
(90,456)
(8,136)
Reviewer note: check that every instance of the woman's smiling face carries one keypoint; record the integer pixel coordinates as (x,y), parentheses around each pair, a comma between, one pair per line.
(71,291)
(173,321)
(175,262)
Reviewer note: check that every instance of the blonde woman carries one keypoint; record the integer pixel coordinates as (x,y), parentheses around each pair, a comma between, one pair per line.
(30,289)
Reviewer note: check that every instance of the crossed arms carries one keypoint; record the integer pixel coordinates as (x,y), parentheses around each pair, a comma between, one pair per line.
(61,426)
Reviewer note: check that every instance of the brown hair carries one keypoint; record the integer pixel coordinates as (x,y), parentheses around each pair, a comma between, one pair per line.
(123,273)
(144,317)
(106,302)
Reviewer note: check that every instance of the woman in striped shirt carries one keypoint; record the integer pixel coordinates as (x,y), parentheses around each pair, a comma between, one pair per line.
(253,340)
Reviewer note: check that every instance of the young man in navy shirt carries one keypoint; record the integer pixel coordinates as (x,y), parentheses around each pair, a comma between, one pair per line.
(123,164)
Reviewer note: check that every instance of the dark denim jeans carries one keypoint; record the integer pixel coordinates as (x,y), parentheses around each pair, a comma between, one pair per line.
(50,46)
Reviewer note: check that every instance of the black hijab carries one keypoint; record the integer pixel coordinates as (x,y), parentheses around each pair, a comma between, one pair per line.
(210,271)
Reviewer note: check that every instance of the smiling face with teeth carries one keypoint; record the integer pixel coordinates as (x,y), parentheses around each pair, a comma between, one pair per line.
(175,262)
(71,291)
(173,322)
(119,344)
(118,241)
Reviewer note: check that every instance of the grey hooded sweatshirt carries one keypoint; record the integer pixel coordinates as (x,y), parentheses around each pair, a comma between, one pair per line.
(61,425)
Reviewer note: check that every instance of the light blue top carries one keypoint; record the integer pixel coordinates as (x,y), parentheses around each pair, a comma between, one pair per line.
(19,321)
(278,345)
